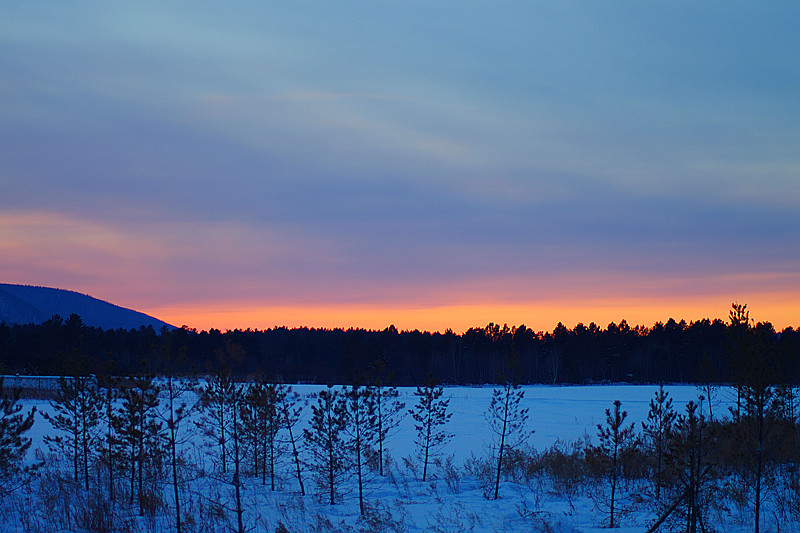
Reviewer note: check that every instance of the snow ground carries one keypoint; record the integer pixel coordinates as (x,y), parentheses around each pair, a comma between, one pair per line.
(557,414)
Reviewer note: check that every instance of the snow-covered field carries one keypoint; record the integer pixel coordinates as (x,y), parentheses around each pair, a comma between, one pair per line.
(454,499)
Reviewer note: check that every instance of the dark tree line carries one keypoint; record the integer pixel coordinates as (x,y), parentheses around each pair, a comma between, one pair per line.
(696,352)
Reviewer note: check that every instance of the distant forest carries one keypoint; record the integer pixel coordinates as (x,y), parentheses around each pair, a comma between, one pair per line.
(705,351)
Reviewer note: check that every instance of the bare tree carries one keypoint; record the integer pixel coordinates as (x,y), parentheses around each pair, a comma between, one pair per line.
(553,364)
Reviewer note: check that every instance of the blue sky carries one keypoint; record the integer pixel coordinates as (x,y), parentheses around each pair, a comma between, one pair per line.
(520,161)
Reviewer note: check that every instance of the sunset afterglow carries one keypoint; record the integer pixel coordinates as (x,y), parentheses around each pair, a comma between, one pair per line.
(431,166)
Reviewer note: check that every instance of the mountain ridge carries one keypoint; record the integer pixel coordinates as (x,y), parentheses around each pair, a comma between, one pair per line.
(29,304)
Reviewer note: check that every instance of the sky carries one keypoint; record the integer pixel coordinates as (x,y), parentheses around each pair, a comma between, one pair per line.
(430,165)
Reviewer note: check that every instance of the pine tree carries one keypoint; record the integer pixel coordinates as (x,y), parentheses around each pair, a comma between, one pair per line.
(176,413)
(325,441)
(139,433)
(261,422)
(362,429)
(13,426)
(687,458)
(66,420)
(757,369)
(615,440)
(107,444)
(76,414)
(291,408)
(236,400)
(658,430)
(216,399)
(430,415)
(179,405)
(389,410)
(506,418)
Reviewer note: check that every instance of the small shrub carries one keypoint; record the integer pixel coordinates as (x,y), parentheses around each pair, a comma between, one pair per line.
(483,471)
(379,519)
(97,514)
(565,465)
(453,519)
(412,465)
(452,475)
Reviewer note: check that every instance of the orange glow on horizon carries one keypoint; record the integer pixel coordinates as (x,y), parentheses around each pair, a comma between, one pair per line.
(781,310)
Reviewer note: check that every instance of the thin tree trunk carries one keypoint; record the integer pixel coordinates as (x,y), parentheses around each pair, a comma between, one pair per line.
(666,513)
(222,433)
(141,474)
(379,403)
(502,444)
(133,471)
(175,486)
(759,464)
(613,485)
(271,461)
(85,444)
(236,478)
(331,473)
(358,428)
(264,445)
(173,451)
(109,436)
(296,459)
(76,449)
(427,445)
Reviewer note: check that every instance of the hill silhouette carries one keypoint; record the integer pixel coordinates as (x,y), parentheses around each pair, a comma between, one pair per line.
(25,304)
